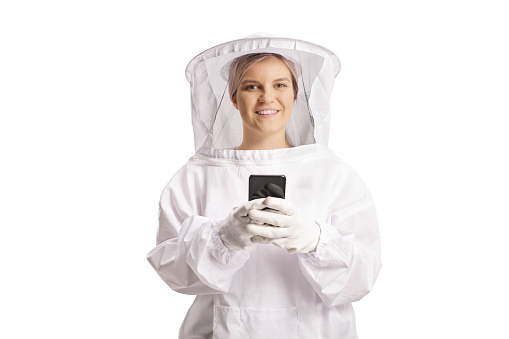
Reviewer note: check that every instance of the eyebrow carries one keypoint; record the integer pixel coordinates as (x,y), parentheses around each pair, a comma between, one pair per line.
(282,79)
(276,80)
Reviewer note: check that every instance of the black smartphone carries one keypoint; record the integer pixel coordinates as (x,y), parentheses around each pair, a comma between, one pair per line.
(262,186)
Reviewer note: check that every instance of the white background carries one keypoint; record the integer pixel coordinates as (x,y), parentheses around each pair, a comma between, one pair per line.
(95,119)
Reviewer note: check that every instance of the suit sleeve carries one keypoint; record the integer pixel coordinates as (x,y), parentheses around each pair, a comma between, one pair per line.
(189,255)
(347,260)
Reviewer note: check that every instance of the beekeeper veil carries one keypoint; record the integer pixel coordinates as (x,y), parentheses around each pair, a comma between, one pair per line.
(216,122)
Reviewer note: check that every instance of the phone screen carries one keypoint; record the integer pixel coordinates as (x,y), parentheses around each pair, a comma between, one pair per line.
(262,186)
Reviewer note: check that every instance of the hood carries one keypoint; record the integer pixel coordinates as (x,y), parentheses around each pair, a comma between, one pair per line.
(216,122)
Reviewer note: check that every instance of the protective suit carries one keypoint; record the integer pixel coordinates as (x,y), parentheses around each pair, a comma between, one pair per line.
(266,292)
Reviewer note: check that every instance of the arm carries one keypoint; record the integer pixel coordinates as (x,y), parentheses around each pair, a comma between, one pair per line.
(346,262)
(190,256)
(340,259)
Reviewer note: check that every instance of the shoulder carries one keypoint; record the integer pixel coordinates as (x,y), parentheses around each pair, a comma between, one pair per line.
(337,167)
(348,189)
(181,186)
(187,171)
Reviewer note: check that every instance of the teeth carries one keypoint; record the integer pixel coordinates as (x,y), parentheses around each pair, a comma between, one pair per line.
(266,112)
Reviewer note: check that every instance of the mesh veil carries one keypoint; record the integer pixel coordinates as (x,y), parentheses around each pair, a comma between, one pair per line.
(218,125)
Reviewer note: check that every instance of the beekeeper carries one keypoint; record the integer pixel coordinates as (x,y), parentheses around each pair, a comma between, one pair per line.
(270,267)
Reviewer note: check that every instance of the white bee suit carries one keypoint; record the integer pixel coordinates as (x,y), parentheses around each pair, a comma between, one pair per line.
(266,292)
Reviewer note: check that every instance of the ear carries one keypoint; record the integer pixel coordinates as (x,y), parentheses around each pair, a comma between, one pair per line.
(234,101)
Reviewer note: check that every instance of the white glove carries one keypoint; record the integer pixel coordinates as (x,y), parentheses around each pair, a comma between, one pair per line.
(292,230)
(233,229)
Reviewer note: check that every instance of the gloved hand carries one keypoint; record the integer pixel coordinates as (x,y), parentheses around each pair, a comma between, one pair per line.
(292,230)
(233,229)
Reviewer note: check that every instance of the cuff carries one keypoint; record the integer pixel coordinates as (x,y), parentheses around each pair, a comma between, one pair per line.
(222,253)
(333,246)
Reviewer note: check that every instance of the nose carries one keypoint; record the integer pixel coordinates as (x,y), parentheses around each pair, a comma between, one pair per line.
(266,96)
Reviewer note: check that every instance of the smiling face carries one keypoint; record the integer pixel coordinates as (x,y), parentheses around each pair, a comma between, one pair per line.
(265,97)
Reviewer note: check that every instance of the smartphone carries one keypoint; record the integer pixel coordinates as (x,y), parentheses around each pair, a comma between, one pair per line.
(261,186)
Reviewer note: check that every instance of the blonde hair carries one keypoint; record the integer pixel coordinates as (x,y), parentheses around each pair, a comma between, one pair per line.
(240,65)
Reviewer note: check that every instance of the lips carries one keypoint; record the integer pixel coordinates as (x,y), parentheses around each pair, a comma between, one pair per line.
(267,112)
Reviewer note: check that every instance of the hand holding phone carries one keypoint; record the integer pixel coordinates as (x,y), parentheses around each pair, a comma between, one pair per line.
(262,186)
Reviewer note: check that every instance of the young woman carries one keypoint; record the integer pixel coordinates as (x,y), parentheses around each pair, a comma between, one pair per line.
(290,271)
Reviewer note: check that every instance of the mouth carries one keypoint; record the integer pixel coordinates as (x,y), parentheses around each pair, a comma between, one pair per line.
(267,113)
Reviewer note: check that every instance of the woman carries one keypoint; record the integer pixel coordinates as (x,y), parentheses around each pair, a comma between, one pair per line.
(290,271)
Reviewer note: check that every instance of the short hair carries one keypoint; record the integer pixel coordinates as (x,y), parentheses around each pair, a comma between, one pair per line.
(240,65)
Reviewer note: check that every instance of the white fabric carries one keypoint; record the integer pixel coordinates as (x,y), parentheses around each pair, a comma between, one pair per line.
(266,292)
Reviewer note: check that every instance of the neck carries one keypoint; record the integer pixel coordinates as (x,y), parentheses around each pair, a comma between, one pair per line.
(254,140)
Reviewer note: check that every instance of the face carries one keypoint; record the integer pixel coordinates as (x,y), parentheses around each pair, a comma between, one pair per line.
(265,96)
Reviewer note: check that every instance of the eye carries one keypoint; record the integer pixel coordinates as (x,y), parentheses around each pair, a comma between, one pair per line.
(281,85)
(251,87)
